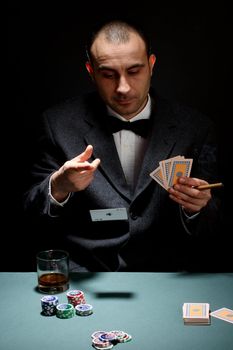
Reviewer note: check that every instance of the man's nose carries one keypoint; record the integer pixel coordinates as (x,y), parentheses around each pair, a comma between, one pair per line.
(123,85)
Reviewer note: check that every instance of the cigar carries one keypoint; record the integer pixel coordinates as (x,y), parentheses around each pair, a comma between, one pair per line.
(206,187)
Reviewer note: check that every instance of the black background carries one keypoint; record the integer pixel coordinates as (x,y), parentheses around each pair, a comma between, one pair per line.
(46,57)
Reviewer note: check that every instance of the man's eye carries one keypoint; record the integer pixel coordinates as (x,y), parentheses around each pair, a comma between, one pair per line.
(108,75)
(133,71)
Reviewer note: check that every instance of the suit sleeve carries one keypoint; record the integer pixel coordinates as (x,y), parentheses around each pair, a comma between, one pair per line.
(205,166)
(47,159)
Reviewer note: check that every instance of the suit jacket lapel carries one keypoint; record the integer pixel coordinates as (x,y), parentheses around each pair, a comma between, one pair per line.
(161,144)
(104,148)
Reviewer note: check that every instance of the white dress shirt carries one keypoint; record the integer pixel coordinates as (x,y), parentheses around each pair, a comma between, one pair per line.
(130,146)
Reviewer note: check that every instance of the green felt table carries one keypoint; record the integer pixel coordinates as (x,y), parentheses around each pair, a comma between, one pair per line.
(148,306)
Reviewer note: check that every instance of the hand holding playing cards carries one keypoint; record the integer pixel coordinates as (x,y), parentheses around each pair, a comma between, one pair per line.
(185,193)
(173,175)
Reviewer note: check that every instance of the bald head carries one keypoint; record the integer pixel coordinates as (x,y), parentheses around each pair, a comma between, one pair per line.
(116,32)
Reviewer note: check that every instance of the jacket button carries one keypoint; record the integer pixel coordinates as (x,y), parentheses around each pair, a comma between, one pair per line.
(133,216)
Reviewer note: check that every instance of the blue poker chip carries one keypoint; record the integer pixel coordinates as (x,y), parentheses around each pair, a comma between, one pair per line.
(48,305)
(108,336)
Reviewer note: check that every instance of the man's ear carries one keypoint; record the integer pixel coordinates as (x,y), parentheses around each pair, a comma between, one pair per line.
(152,60)
(89,69)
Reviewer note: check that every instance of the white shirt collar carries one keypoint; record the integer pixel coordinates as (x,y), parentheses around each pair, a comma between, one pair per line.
(144,114)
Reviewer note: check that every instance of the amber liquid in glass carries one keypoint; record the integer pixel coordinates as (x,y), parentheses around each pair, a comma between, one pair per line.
(53,282)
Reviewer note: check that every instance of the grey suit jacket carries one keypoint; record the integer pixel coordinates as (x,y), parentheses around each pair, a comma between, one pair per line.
(153,237)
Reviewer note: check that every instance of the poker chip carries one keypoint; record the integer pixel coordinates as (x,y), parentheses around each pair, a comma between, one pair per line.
(96,334)
(84,309)
(98,344)
(119,334)
(107,336)
(122,337)
(48,305)
(75,297)
(127,337)
(65,310)
(106,348)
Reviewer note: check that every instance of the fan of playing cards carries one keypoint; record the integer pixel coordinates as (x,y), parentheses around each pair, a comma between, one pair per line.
(170,169)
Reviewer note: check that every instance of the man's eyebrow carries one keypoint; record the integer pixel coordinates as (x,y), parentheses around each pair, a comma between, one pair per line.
(103,67)
(136,65)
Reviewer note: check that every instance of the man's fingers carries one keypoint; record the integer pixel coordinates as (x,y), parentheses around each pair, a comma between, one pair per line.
(87,167)
(191,181)
(80,163)
(96,163)
(84,155)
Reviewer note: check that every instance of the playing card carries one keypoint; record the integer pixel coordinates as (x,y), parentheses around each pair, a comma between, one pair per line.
(180,167)
(109,214)
(224,314)
(157,176)
(165,166)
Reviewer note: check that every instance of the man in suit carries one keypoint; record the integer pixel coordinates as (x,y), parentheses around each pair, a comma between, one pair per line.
(91,176)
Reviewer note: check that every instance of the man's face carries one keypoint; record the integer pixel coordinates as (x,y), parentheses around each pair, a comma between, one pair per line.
(122,74)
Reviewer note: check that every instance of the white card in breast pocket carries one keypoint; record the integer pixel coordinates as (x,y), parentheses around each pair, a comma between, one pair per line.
(110,214)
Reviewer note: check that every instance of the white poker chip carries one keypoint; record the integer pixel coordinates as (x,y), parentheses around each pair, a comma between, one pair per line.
(84,309)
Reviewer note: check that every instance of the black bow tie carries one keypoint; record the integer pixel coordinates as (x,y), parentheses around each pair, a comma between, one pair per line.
(140,127)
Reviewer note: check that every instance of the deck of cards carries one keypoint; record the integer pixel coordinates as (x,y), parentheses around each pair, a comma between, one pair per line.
(196,313)
(169,170)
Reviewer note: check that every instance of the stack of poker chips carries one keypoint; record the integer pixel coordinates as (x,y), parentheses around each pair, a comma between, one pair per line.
(65,310)
(84,309)
(106,340)
(76,297)
(76,305)
(196,313)
(49,304)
